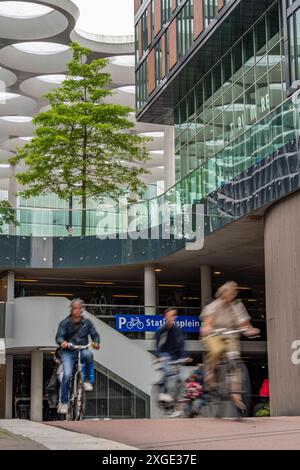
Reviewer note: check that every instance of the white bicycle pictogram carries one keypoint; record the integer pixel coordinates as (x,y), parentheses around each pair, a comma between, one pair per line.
(135,322)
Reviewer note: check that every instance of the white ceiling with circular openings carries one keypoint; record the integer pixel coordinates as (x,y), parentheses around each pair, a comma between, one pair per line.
(34,53)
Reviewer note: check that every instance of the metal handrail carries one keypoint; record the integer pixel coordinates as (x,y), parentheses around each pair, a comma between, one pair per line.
(141,306)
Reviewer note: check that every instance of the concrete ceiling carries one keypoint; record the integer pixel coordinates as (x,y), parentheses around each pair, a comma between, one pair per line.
(33,61)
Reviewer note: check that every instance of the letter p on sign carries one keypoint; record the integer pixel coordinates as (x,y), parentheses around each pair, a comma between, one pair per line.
(122,322)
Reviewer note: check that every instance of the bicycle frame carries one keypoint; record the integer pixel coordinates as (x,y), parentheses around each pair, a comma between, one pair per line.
(75,380)
(76,375)
(230,364)
(173,383)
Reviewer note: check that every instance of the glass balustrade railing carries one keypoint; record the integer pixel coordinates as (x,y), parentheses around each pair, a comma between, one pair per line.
(271,133)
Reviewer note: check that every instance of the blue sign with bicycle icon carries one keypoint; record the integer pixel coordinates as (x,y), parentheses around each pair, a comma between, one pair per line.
(148,323)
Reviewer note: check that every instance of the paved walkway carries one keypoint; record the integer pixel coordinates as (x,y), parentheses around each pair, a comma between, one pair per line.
(9,441)
(24,434)
(180,434)
(196,434)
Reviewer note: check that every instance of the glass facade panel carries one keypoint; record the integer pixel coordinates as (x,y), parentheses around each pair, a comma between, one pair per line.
(245,85)
(147,38)
(294,45)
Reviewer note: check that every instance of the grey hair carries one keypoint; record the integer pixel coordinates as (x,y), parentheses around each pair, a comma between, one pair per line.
(227,286)
(76,301)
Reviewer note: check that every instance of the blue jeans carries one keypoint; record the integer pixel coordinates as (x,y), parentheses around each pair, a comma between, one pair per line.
(92,370)
(165,371)
(68,361)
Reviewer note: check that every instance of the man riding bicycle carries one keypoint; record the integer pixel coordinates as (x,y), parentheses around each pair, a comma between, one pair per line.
(75,329)
(224,313)
(169,347)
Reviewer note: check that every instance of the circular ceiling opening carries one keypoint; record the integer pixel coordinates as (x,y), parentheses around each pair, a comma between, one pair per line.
(127,89)
(5,96)
(152,134)
(17,119)
(23,10)
(123,60)
(55,79)
(30,21)
(41,48)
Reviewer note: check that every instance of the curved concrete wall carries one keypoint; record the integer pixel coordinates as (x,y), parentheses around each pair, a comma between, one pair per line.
(282,264)
(32,323)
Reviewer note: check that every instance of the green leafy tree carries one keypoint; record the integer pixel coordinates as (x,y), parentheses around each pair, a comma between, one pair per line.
(82,147)
(7,215)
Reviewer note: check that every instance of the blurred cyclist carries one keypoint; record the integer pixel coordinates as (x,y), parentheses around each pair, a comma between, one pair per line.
(169,347)
(75,329)
(224,312)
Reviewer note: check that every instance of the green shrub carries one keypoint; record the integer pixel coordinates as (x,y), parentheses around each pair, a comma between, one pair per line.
(264,411)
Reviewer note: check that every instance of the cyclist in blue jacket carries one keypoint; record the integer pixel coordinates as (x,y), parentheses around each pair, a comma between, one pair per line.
(75,329)
(169,347)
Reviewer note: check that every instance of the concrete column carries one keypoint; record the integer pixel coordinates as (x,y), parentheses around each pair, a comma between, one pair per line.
(282,269)
(9,386)
(10,286)
(169,156)
(10,305)
(206,284)
(149,294)
(150,289)
(36,393)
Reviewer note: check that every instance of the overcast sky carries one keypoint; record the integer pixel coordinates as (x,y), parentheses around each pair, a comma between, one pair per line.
(107,17)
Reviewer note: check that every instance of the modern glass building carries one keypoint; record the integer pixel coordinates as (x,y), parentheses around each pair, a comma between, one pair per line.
(225,74)
(217,87)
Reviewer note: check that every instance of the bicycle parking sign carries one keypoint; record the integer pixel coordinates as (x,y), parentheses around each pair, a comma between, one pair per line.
(148,323)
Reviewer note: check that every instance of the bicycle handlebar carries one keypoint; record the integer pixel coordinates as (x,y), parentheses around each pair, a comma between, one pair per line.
(183,360)
(79,346)
(225,332)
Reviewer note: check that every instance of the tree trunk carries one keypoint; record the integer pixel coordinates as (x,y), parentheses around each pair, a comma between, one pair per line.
(84,179)
(84,215)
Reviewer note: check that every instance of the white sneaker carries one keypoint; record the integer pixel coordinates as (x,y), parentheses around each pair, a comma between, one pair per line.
(176,414)
(165,397)
(88,387)
(62,409)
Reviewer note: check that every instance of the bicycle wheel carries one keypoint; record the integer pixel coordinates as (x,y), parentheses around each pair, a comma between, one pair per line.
(212,408)
(240,385)
(70,414)
(79,401)
(245,389)
(222,398)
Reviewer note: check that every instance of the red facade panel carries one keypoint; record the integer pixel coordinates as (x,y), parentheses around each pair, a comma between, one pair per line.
(198,18)
(173,43)
(157,16)
(137,4)
(163,56)
(140,38)
(221,3)
(149,24)
(151,72)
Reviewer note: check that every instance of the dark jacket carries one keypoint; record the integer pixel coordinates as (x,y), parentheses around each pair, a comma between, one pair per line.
(171,341)
(76,333)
